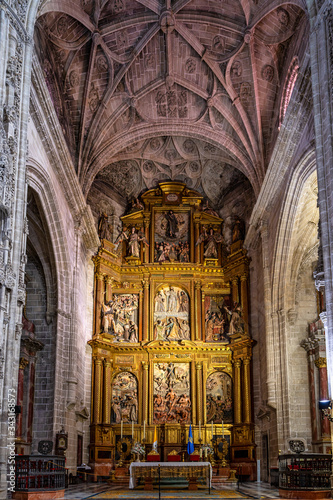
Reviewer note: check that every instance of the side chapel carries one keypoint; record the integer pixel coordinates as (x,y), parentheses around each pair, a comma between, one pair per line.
(171,344)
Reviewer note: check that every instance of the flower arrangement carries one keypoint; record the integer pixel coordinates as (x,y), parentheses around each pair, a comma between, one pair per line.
(138,448)
(207,449)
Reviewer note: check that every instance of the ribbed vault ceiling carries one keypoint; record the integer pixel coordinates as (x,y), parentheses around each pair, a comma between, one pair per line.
(149,90)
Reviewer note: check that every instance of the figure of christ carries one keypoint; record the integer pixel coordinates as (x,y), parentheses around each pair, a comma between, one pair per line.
(172,300)
(172,224)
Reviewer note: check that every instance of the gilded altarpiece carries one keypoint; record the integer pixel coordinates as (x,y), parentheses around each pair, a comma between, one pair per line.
(171,345)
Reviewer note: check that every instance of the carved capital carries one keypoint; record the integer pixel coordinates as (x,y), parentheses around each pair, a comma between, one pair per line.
(321,363)
(23,363)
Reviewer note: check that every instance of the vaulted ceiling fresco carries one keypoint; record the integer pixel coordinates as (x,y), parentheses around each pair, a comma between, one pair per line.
(153,90)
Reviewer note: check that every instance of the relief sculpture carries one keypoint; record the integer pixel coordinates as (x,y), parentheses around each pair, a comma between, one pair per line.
(120,318)
(124,403)
(172,393)
(219,398)
(172,237)
(171,314)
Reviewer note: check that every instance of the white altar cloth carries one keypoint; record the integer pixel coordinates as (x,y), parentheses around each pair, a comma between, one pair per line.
(203,465)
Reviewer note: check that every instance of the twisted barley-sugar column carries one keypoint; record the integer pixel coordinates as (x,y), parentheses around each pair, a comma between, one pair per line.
(108,281)
(234,289)
(97,390)
(145,321)
(145,392)
(99,301)
(198,367)
(244,301)
(247,390)
(107,392)
(197,306)
(237,392)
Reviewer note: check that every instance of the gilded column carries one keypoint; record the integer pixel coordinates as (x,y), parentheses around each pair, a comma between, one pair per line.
(323,392)
(97,390)
(203,325)
(108,281)
(197,305)
(247,390)
(145,248)
(31,400)
(140,314)
(23,363)
(194,396)
(234,289)
(237,392)
(145,321)
(107,392)
(244,301)
(145,392)
(198,367)
(99,301)
(197,248)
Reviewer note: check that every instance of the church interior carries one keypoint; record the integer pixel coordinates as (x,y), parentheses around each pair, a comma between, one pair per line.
(166,231)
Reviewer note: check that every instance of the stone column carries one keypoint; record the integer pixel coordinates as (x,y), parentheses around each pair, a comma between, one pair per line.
(145,321)
(321,52)
(97,391)
(270,361)
(200,403)
(197,307)
(323,392)
(247,390)
(99,287)
(107,392)
(237,391)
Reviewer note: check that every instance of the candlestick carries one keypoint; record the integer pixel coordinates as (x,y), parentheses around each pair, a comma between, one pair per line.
(121,430)
(199,429)
(144,429)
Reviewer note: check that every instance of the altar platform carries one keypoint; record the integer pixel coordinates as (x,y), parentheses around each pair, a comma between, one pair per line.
(102,491)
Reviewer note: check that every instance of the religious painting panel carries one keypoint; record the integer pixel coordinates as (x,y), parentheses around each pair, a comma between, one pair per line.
(218,314)
(120,317)
(124,402)
(219,402)
(171,314)
(172,403)
(172,237)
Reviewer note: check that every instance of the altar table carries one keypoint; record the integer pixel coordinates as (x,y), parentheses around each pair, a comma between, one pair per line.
(189,470)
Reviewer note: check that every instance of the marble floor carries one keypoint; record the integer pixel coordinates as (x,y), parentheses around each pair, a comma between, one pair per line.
(104,491)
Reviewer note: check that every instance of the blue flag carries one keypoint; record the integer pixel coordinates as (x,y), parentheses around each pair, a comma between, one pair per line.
(190,444)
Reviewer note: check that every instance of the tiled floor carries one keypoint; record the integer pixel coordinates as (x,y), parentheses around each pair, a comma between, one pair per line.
(102,491)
